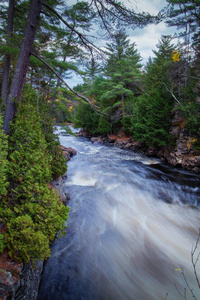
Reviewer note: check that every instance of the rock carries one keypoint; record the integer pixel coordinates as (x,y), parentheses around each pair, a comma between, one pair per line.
(151,152)
(120,144)
(58,184)
(68,152)
(192,163)
(175,131)
(83,133)
(111,138)
(180,159)
(96,139)
(129,146)
(9,276)
(30,278)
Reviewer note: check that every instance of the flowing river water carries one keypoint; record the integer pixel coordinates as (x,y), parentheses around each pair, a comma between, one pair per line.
(132,225)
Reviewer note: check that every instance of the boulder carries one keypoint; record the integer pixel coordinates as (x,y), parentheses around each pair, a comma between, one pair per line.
(68,152)
(97,139)
(112,138)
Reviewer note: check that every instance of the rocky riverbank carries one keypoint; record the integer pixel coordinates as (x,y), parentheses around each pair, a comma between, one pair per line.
(21,281)
(182,154)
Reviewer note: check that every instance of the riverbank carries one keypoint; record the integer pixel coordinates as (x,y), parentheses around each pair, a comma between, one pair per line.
(181,155)
(21,280)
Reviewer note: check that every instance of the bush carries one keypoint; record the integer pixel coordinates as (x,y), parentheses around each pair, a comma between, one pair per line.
(58,164)
(86,118)
(1,243)
(25,241)
(152,120)
(33,212)
(3,161)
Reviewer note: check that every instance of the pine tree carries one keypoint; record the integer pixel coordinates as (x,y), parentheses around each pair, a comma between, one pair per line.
(185,14)
(152,113)
(123,74)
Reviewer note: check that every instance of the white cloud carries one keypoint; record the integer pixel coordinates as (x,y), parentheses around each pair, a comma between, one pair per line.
(146,38)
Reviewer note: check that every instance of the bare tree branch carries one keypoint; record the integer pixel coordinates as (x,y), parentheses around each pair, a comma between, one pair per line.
(194,262)
(96,109)
(86,42)
(172,94)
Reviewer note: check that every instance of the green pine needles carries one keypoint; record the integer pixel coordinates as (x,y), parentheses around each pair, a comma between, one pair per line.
(32,209)
(3,161)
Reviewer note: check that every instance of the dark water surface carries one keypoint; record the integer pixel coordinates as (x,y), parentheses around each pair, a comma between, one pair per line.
(132,224)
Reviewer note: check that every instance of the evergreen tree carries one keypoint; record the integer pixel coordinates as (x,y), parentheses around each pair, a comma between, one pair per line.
(123,74)
(185,14)
(152,113)
(109,13)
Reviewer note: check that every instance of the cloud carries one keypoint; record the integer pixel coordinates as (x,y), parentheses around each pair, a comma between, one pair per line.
(146,38)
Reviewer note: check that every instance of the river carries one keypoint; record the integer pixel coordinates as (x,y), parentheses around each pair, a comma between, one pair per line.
(132,225)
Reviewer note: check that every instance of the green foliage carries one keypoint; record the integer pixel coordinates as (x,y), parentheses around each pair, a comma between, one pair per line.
(104,126)
(1,243)
(151,120)
(152,112)
(57,163)
(185,15)
(123,78)
(3,161)
(69,131)
(86,118)
(33,211)
(191,112)
(25,241)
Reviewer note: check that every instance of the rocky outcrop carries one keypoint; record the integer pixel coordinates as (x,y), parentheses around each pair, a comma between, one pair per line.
(182,154)
(9,276)
(58,184)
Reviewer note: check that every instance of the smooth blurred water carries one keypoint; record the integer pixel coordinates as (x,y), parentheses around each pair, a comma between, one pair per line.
(133,222)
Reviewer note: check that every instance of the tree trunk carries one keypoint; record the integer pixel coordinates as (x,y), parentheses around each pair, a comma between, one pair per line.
(22,62)
(6,66)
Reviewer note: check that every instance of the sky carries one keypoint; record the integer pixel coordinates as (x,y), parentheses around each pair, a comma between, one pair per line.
(146,38)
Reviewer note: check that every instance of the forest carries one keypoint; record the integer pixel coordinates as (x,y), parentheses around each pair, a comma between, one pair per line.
(42,43)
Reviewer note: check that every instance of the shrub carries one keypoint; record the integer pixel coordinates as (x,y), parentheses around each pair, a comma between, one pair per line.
(86,118)
(57,164)
(3,161)
(25,241)
(33,212)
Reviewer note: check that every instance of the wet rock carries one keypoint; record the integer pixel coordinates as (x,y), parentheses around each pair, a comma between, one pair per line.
(30,278)
(120,144)
(192,163)
(97,139)
(9,276)
(178,158)
(68,152)
(83,133)
(112,138)
(151,152)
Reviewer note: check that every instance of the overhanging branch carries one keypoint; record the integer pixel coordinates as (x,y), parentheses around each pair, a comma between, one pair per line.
(86,42)
(96,109)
